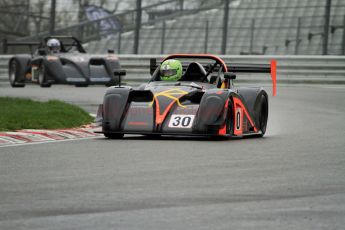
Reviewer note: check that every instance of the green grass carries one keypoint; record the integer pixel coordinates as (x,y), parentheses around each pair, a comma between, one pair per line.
(18,114)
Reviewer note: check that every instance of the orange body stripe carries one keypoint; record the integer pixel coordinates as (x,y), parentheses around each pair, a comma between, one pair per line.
(160,117)
(138,123)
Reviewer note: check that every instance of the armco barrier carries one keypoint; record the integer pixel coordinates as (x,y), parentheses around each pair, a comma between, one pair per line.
(290,69)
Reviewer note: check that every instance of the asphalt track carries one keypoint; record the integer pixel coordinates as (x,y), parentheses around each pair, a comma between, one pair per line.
(293,178)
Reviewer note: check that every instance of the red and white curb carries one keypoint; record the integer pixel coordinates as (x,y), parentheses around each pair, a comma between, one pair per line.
(28,136)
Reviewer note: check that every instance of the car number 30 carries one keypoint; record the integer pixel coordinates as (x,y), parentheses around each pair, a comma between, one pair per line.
(181,121)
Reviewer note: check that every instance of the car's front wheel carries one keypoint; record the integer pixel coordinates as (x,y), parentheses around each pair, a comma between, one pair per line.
(13,74)
(42,77)
(263,114)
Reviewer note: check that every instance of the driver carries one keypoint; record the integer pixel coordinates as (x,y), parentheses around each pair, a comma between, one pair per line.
(54,45)
(171,70)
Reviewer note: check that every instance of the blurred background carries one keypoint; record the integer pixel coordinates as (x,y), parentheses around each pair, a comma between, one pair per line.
(233,27)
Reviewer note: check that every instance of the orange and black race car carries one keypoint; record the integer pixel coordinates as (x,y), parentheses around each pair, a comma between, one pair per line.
(204,102)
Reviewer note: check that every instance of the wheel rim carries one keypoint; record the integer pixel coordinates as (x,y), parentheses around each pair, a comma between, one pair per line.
(13,72)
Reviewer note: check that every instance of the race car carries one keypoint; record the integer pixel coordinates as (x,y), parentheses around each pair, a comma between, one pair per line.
(62,60)
(203,102)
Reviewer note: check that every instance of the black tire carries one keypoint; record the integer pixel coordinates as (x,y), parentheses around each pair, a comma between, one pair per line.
(42,77)
(114,135)
(13,74)
(230,120)
(263,114)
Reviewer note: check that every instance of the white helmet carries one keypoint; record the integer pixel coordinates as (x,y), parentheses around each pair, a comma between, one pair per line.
(54,45)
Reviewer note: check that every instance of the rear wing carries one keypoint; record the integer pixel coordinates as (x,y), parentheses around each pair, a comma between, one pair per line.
(257,68)
(236,68)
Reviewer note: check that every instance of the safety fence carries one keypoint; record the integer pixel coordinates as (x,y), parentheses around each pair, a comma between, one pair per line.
(290,69)
(203,34)
(104,25)
(255,27)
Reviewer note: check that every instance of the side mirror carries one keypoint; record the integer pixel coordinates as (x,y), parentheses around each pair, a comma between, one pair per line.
(229,75)
(153,65)
(120,72)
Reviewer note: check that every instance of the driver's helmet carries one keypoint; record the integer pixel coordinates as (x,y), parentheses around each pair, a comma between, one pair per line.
(54,45)
(171,70)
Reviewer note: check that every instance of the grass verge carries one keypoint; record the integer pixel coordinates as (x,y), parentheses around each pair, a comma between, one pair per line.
(16,113)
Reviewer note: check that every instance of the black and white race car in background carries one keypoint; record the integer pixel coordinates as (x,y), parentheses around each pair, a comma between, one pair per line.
(72,65)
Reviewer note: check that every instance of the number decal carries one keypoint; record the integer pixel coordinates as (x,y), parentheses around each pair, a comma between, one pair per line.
(176,121)
(238,119)
(181,121)
(186,121)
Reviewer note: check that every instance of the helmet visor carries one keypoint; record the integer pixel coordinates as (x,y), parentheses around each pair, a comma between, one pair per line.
(168,72)
(54,48)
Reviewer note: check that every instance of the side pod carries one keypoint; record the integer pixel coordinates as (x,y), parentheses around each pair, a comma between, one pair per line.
(211,115)
(114,104)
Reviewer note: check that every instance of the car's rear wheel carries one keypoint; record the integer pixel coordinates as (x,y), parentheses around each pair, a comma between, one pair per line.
(114,135)
(13,74)
(263,114)
(42,77)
